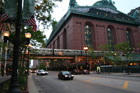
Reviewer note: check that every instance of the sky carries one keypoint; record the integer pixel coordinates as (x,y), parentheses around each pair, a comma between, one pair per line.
(124,6)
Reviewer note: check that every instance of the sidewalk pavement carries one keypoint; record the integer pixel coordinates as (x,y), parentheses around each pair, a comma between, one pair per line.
(118,74)
(33,89)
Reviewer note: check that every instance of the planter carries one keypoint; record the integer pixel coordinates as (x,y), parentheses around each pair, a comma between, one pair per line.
(26,91)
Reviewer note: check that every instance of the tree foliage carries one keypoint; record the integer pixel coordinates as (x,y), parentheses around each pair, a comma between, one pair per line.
(43,10)
(42,66)
(92,52)
(36,37)
(125,48)
(106,47)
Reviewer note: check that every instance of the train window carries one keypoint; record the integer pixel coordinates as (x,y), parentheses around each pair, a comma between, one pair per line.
(47,50)
(66,51)
(61,50)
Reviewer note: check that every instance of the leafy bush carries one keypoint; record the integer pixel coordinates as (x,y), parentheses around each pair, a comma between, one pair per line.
(4,86)
(22,81)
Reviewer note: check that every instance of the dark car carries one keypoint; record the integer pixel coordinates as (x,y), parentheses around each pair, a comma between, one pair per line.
(85,71)
(65,75)
(76,72)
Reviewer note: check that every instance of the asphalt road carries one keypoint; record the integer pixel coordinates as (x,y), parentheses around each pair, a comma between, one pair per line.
(91,83)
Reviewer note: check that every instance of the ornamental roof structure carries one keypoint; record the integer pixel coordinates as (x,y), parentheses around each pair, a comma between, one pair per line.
(103,10)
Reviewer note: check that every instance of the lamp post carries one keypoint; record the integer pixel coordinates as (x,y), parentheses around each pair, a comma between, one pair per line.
(16,41)
(28,58)
(87,65)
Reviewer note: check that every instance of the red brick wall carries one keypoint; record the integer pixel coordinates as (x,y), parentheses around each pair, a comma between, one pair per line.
(75,33)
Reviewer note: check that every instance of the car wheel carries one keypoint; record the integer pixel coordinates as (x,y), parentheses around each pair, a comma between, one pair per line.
(37,73)
(63,78)
(71,78)
(58,77)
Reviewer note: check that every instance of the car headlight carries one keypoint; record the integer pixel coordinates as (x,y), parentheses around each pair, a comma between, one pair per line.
(72,75)
(66,75)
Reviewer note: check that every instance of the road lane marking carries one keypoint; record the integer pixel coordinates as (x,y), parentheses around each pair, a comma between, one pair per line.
(112,86)
(62,83)
(125,85)
(92,79)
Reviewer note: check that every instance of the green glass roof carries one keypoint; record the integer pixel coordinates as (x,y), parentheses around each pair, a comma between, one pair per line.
(105,3)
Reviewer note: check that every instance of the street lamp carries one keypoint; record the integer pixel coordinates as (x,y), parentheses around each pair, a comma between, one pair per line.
(16,41)
(29,45)
(86,49)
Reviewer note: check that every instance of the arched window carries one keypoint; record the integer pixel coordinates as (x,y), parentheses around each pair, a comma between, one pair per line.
(128,38)
(88,37)
(110,38)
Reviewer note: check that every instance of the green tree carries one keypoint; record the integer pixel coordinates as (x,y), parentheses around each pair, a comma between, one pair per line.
(92,53)
(109,55)
(37,40)
(54,22)
(43,10)
(127,50)
(42,66)
(107,52)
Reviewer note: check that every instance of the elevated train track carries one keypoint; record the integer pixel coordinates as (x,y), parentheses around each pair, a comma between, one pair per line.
(47,53)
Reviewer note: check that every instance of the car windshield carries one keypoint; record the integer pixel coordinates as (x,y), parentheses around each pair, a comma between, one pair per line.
(66,72)
(41,70)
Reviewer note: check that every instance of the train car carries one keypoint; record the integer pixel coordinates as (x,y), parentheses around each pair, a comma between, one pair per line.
(45,51)
(66,52)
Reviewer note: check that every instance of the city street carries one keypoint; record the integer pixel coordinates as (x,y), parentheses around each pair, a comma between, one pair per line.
(92,83)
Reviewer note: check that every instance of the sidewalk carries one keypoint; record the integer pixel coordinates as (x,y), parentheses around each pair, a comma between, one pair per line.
(4,78)
(118,74)
(32,88)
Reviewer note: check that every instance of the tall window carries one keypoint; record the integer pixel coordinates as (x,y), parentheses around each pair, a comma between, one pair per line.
(128,38)
(110,38)
(88,37)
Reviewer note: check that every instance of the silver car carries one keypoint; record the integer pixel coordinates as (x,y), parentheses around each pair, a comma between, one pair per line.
(41,72)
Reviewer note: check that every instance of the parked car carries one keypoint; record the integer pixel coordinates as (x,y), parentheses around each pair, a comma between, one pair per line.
(65,75)
(76,72)
(41,72)
(85,71)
